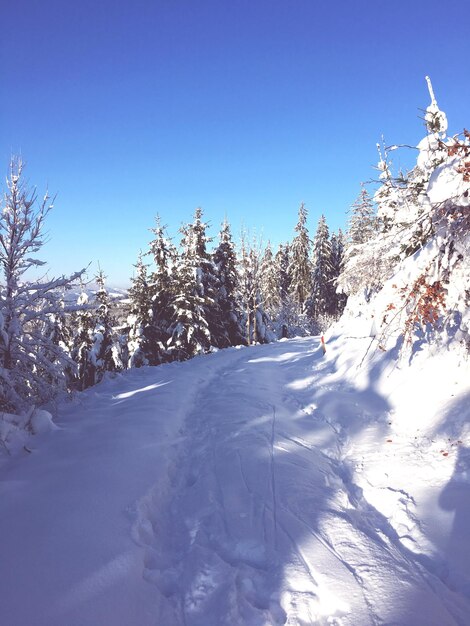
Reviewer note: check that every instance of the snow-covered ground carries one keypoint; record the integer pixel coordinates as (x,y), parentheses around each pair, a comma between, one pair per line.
(257,486)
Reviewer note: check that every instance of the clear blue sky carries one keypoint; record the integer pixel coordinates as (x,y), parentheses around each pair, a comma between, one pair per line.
(127,109)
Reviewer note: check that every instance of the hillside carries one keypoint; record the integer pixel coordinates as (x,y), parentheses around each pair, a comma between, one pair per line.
(255,486)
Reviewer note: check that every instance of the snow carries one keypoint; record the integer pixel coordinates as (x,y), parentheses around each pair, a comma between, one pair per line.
(448,184)
(41,422)
(254,486)
(436,119)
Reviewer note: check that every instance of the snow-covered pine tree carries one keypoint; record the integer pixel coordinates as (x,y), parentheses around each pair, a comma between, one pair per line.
(270,291)
(365,262)
(193,303)
(419,282)
(257,322)
(139,317)
(96,345)
(282,260)
(337,258)
(287,318)
(162,293)
(106,347)
(321,299)
(31,364)
(60,332)
(362,224)
(431,240)
(403,210)
(432,152)
(83,324)
(300,268)
(228,327)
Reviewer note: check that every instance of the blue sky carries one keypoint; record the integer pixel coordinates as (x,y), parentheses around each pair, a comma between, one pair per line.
(243,107)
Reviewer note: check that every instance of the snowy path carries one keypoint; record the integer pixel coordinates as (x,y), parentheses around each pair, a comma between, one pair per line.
(215,492)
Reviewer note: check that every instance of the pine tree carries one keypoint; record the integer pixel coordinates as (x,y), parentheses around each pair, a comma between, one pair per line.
(96,346)
(31,363)
(321,299)
(58,327)
(403,223)
(362,226)
(193,303)
(82,345)
(363,265)
(228,326)
(403,208)
(337,257)
(162,292)
(287,317)
(282,260)
(106,348)
(140,317)
(300,269)
(270,283)
(424,271)
(257,322)
(60,332)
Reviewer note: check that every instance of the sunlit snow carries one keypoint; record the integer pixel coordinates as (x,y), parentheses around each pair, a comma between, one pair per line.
(257,486)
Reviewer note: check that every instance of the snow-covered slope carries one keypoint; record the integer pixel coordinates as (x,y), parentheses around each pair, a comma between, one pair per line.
(255,486)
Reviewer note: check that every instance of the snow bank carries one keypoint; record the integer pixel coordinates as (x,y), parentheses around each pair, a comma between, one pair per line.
(41,422)
(16,431)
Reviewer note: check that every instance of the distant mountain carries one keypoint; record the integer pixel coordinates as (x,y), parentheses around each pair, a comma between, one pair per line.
(116,294)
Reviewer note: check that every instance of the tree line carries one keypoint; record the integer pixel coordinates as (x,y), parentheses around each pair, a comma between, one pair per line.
(183,300)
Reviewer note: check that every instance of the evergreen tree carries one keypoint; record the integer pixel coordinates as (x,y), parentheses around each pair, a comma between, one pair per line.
(321,299)
(60,332)
(96,347)
(282,261)
(193,302)
(337,258)
(403,207)
(106,348)
(228,326)
(270,282)
(162,292)
(362,226)
(363,262)
(140,317)
(82,346)
(256,320)
(31,362)
(430,216)
(300,269)
(58,327)
(404,221)
(286,316)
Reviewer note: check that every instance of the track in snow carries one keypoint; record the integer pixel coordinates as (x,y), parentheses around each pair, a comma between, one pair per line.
(264,527)
(216,492)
